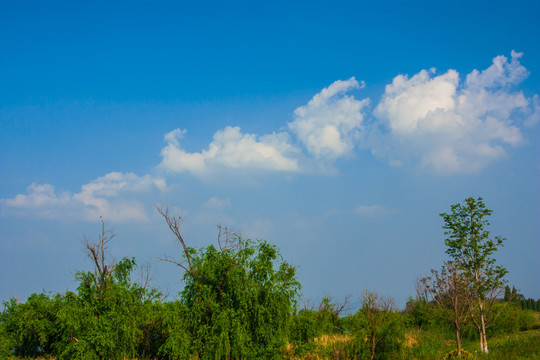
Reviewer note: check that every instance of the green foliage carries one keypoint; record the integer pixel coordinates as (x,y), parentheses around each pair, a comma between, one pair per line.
(471,248)
(530,304)
(424,345)
(419,311)
(309,324)
(427,316)
(177,342)
(468,243)
(305,327)
(31,327)
(515,347)
(377,328)
(507,293)
(239,301)
(106,322)
(512,320)
(80,325)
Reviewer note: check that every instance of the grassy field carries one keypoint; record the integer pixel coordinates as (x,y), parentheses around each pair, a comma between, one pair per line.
(426,346)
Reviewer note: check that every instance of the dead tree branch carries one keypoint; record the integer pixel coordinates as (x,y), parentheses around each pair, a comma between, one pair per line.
(98,253)
(174,223)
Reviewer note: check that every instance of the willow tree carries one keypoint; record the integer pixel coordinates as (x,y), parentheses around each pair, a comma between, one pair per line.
(239,296)
(471,247)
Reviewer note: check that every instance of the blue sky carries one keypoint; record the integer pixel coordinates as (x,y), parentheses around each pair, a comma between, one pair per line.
(336,131)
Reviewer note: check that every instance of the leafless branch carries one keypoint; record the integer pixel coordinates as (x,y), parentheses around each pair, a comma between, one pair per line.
(98,253)
(174,223)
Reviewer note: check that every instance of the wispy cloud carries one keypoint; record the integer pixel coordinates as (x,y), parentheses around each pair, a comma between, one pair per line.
(101,197)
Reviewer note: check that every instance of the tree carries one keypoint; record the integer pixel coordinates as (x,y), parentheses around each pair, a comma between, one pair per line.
(378,325)
(109,317)
(507,293)
(471,248)
(449,290)
(239,297)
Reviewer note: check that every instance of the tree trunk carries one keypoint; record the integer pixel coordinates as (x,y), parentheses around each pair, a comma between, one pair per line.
(372,345)
(483,342)
(458,341)
(485,349)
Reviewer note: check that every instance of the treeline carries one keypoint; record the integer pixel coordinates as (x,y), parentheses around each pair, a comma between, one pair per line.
(526,304)
(240,301)
(130,326)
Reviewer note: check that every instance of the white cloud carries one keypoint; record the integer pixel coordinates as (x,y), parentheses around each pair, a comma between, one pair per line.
(448,127)
(38,195)
(101,197)
(331,123)
(374,211)
(500,74)
(231,149)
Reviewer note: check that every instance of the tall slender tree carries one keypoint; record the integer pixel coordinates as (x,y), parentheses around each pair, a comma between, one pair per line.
(470,246)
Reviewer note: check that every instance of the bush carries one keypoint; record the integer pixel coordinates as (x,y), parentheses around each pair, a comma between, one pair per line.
(30,329)
(512,320)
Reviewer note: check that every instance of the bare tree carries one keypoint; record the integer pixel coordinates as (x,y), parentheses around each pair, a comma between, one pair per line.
(449,290)
(174,223)
(98,252)
(421,290)
(228,240)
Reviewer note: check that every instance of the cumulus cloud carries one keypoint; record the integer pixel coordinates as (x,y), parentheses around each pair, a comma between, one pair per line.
(331,123)
(443,123)
(447,126)
(101,197)
(328,127)
(231,149)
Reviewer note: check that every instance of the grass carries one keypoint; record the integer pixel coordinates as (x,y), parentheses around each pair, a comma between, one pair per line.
(420,345)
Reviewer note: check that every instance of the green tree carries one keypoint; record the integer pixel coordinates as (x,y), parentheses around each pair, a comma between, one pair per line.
(470,246)
(379,328)
(31,327)
(507,293)
(239,297)
(110,316)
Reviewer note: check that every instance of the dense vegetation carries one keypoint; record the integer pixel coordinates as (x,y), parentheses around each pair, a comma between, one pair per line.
(241,301)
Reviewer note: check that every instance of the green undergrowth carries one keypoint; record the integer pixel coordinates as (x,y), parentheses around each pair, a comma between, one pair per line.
(524,345)
(421,345)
